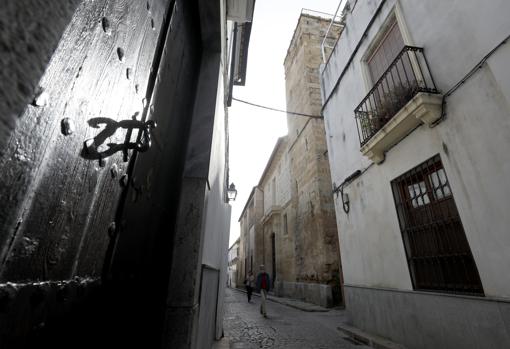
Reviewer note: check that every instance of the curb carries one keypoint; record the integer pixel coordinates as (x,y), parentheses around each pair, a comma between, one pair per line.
(358,336)
(311,308)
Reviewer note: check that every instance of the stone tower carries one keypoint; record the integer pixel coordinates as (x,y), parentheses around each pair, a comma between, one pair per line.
(316,247)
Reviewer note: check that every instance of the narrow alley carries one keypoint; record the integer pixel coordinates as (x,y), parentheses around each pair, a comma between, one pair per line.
(285,327)
(347,159)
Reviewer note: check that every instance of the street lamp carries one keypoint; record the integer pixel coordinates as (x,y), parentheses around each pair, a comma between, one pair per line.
(231,192)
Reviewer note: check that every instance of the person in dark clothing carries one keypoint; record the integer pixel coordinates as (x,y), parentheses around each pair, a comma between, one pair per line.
(249,282)
(263,286)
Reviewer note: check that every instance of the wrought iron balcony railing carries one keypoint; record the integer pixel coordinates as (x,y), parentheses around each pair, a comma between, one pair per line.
(406,76)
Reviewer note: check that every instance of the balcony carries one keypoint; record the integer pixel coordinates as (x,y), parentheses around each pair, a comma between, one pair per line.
(270,212)
(404,97)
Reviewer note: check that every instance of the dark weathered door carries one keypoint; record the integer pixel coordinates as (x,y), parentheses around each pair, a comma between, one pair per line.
(65,171)
(57,204)
(140,257)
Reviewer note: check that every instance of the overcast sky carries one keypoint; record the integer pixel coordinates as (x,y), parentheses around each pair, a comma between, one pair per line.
(254,131)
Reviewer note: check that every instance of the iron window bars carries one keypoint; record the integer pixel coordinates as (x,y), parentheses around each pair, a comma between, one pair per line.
(436,246)
(406,76)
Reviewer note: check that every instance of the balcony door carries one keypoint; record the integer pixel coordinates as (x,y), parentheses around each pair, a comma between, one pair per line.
(393,80)
(385,52)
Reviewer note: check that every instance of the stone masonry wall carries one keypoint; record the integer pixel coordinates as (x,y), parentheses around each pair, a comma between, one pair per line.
(250,228)
(316,244)
(296,188)
(279,171)
(277,175)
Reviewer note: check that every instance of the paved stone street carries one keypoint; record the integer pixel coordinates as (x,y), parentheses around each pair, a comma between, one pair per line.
(285,327)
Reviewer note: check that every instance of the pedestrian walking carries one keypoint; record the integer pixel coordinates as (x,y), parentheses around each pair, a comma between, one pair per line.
(263,286)
(249,283)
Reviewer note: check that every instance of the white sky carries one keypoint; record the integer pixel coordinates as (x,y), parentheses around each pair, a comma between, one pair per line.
(254,131)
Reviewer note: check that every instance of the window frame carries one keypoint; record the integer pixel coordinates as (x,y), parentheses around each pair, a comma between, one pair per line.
(394,15)
(446,247)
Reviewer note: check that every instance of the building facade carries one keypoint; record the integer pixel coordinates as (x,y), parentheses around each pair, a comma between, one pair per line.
(249,252)
(276,238)
(317,263)
(416,103)
(114,159)
(233,259)
(295,234)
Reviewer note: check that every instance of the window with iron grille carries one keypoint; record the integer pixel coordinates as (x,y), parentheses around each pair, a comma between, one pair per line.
(436,246)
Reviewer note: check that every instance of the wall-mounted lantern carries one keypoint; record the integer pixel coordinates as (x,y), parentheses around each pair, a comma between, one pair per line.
(346,204)
(231,192)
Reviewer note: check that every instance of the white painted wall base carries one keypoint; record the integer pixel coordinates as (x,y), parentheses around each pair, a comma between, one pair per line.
(421,320)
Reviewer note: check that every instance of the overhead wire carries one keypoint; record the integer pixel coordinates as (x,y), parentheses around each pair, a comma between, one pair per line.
(276,109)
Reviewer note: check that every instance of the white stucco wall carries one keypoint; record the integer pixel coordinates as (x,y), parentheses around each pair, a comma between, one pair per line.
(473,140)
(218,212)
(215,248)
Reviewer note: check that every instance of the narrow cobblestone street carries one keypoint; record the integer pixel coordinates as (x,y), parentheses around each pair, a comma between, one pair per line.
(285,327)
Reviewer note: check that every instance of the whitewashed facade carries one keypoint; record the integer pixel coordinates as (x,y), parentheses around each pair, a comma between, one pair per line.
(466,140)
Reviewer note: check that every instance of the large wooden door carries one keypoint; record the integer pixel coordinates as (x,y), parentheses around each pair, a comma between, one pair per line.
(57,203)
(142,250)
(61,189)
(76,203)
